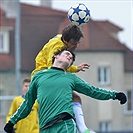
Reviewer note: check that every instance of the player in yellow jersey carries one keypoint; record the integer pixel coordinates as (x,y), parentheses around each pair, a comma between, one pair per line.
(30,123)
(70,38)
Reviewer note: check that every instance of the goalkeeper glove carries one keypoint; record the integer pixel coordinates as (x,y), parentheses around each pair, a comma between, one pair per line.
(9,127)
(121,97)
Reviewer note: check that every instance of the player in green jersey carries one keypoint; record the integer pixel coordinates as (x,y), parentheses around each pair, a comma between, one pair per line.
(52,88)
(70,38)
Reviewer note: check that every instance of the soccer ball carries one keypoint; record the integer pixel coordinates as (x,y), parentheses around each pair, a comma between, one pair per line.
(79,14)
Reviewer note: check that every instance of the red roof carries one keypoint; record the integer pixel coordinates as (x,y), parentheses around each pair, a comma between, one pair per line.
(97,36)
(108,26)
(38,10)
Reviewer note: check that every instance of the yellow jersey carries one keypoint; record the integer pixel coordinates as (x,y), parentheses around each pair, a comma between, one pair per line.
(29,124)
(44,57)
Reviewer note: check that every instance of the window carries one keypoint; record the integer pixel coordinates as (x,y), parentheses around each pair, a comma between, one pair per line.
(105,126)
(4,42)
(129,108)
(104,75)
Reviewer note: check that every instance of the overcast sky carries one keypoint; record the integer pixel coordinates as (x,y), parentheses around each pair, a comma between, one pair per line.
(119,12)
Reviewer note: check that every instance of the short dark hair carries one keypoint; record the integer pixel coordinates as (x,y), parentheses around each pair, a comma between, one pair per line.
(71,32)
(26,80)
(60,51)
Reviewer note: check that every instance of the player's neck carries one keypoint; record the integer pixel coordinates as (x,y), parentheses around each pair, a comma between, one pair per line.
(57,68)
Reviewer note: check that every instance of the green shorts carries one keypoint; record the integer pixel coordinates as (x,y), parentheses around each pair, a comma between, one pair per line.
(67,126)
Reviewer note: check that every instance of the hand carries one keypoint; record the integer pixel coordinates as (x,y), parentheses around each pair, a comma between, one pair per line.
(121,97)
(83,66)
(9,127)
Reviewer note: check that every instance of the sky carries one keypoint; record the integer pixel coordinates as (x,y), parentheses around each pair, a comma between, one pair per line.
(118,12)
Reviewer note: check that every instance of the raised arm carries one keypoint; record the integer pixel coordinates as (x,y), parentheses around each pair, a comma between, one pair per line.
(98,93)
(24,109)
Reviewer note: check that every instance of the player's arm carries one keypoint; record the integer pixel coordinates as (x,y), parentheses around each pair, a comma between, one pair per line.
(25,107)
(40,62)
(98,93)
(94,92)
(12,110)
(72,69)
(81,67)
(27,104)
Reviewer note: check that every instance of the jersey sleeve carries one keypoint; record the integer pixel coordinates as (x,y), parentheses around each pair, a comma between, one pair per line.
(44,58)
(12,110)
(26,106)
(72,69)
(50,54)
(40,62)
(92,91)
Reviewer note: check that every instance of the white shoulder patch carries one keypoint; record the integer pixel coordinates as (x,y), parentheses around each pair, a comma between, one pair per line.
(45,70)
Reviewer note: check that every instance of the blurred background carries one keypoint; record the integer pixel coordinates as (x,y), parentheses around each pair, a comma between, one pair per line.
(25,26)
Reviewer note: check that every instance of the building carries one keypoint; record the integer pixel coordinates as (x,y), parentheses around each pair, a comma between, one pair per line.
(111,62)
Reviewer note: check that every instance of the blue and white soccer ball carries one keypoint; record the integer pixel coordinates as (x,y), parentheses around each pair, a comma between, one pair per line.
(79,14)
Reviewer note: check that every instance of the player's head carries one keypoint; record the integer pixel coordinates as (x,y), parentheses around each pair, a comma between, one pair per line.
(25,85)
(71,36)
(64,57)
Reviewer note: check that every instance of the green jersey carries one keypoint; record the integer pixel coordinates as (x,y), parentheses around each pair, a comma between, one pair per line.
(53,90)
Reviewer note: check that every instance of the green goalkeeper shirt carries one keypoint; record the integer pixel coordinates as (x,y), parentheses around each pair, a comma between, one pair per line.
(52,88)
